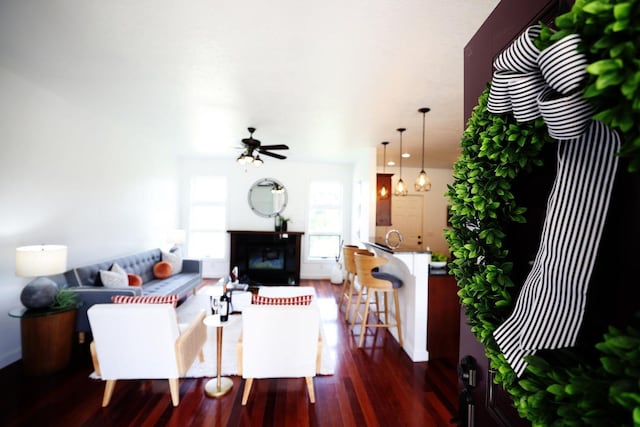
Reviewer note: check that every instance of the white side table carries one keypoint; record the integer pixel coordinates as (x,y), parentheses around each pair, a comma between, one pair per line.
(219,386)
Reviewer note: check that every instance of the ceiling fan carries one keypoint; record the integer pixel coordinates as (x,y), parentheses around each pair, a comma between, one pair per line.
(253,148)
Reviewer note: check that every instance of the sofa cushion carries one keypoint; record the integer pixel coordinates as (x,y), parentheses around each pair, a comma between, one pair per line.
(295,300)
(115,277)
(145,299)
(162,270)
(134,279)
(175,259)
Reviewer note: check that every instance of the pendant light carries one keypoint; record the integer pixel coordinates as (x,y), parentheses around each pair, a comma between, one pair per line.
(401,187)
(423,183)
(384,191)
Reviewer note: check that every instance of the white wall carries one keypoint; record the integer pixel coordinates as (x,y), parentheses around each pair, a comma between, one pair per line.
(295,176)
(70,176)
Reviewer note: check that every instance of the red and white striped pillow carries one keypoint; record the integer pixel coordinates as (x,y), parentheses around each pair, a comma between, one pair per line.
(151,299)
(299,300)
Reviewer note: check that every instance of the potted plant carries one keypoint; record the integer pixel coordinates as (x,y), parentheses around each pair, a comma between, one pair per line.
(281,222)
(65,300)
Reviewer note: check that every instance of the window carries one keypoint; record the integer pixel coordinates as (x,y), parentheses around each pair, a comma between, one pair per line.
(325,219)
(207,218)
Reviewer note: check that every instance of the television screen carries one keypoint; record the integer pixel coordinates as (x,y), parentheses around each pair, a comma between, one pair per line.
(266,259)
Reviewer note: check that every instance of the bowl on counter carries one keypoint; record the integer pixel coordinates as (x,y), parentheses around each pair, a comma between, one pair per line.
(438,264)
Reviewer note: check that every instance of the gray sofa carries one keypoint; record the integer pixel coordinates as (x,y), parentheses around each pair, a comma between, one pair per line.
(82,280)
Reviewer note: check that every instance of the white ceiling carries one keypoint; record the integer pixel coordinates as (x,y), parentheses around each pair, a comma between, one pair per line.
(323,77)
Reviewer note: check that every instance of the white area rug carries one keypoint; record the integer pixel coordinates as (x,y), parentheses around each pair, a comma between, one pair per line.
(231,332)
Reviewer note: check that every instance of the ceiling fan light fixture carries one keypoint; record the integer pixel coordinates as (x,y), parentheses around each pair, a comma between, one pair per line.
(253,148)
(401,188)
(423,183)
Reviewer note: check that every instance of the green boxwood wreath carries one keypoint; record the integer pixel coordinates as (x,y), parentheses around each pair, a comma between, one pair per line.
(560,388)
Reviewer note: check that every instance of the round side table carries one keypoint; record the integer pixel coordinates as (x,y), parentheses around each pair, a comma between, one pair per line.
(47,339)
(220,385)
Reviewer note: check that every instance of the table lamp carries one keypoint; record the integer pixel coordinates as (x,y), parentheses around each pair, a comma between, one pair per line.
(177,238)
(40,261)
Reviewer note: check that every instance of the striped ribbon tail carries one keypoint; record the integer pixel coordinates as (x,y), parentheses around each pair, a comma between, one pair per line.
(550,307)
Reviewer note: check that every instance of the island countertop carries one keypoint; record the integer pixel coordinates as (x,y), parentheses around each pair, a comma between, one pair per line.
(386,248)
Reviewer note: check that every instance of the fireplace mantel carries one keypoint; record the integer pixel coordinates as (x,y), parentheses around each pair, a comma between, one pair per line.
(266,257)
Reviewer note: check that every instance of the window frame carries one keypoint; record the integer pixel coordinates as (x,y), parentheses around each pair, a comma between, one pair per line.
(338,232)
(216,227)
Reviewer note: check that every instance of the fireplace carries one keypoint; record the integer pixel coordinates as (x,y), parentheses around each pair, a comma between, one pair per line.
(266,257)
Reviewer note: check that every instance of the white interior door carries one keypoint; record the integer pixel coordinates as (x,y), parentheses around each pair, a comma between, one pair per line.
(407,217)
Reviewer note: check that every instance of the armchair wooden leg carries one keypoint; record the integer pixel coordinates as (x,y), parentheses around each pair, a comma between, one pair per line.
(239,354)
(175,391)
(312,393)
(247,389)
(319,355)
(94,358)
(108,392)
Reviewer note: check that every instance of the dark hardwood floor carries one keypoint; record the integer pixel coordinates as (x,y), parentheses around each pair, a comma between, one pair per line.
(376,385)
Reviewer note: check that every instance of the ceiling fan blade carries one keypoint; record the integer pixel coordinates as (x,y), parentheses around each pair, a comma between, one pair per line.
(275,147)
(267,153)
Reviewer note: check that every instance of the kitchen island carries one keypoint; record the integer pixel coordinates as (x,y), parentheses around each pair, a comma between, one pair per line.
(413,269)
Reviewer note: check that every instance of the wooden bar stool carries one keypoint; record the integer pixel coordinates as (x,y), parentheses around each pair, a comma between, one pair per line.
(362,294)
(348,285)
(372,283)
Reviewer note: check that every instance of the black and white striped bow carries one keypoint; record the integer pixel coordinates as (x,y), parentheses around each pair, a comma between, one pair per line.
(531,83)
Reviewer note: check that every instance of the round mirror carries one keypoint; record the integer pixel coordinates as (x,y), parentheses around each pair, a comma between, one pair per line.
(267,197)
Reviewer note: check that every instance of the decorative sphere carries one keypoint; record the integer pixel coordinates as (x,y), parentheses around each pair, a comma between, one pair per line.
(39,294)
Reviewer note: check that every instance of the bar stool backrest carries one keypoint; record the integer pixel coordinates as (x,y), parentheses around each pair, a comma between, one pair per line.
(364,264)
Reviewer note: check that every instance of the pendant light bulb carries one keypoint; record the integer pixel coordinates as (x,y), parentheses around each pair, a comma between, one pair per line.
(401,188)
(423,183)
(384,191)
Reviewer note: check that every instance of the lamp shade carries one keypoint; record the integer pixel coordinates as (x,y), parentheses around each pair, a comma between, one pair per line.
(41,260)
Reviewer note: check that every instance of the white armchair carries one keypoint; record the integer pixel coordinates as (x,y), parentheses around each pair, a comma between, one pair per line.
(279,342)
(143,341)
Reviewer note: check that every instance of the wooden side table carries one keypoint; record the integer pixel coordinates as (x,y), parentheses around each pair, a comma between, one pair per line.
(47,339)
